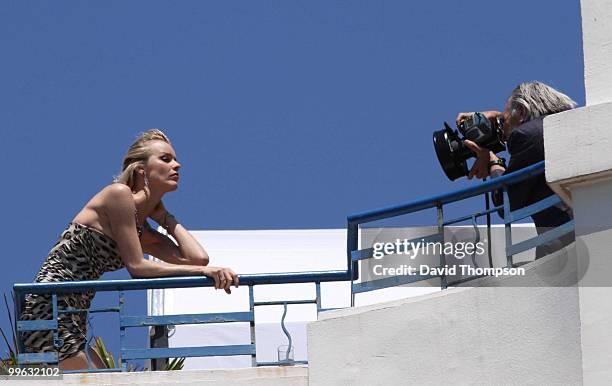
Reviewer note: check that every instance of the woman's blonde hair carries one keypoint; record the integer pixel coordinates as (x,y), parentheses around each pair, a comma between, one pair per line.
(137,155)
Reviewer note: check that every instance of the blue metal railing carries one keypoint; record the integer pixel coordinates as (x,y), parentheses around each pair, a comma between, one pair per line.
(501,183)
(354,256)
(130,321)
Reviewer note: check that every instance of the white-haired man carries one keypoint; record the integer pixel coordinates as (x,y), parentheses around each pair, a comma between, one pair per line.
(523,118)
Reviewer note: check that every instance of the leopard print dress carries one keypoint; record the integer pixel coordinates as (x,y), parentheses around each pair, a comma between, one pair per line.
(81,253)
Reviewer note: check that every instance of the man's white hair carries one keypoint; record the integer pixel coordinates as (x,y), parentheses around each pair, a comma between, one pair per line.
(536,99)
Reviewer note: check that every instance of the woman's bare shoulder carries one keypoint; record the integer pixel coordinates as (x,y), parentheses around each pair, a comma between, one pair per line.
(116,188)
(113,197)
(115,193)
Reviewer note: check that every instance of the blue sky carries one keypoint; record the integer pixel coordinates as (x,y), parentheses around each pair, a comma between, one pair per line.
(284,114)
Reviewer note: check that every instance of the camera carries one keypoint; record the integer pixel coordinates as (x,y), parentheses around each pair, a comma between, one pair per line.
(453,153)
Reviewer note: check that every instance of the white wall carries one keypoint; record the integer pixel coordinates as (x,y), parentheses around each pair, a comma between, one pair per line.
(577,147)
(495,335)
(257,251)
(593,235)
(597,48)
(579,168)
(270,251)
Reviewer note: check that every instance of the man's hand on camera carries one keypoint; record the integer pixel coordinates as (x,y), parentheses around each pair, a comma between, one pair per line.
(480,169)
(490,115)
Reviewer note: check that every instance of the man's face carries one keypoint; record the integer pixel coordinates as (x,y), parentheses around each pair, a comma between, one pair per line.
(510,120)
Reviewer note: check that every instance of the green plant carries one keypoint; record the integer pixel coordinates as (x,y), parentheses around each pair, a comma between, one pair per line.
(109,360)
(99,347)
(175,364)
(105,355)
(11,360)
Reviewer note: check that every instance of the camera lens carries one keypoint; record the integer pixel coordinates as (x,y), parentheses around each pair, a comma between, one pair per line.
(451,150)
(448,150)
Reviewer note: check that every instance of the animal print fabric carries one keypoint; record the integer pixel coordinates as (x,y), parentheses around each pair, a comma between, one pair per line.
(81,253)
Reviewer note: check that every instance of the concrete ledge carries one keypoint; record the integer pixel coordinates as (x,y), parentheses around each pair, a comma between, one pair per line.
(577,145)
(259,376)
(484,335)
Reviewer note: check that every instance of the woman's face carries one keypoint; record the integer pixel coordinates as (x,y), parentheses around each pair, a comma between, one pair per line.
(162,167)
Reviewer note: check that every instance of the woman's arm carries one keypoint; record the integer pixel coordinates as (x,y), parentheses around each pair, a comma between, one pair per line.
(161,246)
(120,208)
(188,248)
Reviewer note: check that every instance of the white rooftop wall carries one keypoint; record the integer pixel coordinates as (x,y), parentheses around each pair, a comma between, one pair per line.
(263,251)
(271,251)
(257,251)
(597,48)
(489,336)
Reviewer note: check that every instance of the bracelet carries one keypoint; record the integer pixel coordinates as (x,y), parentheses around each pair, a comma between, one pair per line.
(500,161)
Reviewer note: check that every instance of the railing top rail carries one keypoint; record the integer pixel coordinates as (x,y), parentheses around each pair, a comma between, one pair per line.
(177,282)
(446,198)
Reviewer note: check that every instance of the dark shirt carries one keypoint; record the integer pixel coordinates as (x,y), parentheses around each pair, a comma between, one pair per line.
(526,147)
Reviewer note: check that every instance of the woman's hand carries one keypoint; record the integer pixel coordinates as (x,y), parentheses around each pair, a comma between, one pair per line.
(223,277)
(480,169)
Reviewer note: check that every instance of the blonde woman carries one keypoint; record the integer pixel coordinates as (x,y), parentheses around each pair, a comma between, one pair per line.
(112,232)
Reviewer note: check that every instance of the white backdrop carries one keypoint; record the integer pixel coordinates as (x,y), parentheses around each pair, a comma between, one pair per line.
(265,251)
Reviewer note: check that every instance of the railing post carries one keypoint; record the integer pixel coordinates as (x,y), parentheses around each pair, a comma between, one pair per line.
(507,227)
(122,349)
(252,324)
(18,300)
(489,239)
(88,340)
(57,342)
(443,281)
(352,244)
(318,294)
(158,338)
